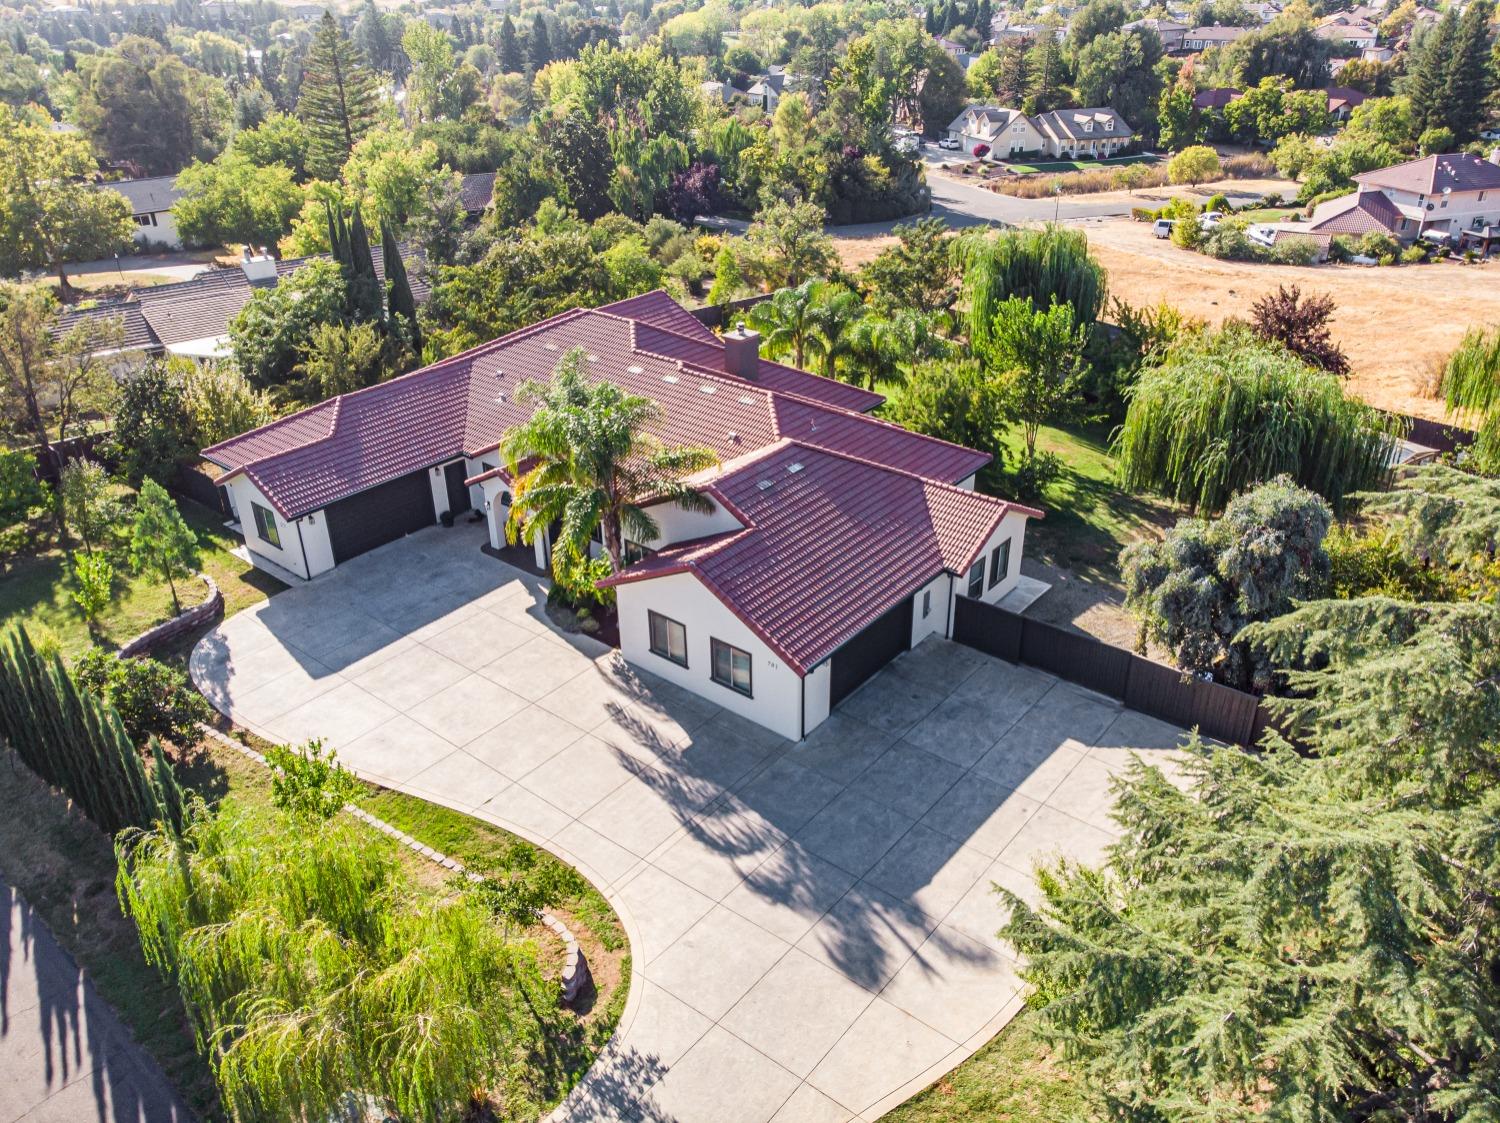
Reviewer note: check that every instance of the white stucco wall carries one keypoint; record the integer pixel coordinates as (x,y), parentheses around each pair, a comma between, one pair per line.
(816,695)
(1013,526)
(305,547)
(679,525)
(777,701)
(165,230)
(491,493)
(937,594)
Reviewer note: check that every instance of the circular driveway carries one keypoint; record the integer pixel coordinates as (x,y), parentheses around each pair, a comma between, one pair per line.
(812,925)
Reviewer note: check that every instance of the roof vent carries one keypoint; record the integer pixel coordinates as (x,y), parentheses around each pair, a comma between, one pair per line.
(707,389)
(635,370)
(500,397)
(793,468)
(766,485)
(732,437)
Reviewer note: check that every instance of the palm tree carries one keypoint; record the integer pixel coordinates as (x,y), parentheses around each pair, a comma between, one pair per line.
(591,464)
(836,310)
(785,321)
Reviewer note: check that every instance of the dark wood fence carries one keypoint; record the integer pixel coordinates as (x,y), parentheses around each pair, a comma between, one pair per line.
(89,446)
(717,315)
(196,482)
(1216,711)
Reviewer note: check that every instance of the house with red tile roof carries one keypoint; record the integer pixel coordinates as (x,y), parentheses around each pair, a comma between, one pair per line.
(832,542)
(1441,197)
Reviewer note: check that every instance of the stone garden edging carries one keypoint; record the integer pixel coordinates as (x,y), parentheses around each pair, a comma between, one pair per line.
(182,623)
(575,975)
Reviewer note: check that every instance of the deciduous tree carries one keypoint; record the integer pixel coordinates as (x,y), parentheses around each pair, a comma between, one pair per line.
(1301,326)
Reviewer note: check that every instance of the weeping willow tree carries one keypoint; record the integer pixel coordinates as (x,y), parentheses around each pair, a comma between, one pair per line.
(1471,387)
(1227,410)
(1046,265)
(315,976)
(1301,938)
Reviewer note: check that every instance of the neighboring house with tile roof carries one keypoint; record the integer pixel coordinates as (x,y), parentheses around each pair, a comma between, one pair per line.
(833,542)
(151,207)
(476,191)
(1343,100)
(1435,197)
(1216,97)
(1345,27)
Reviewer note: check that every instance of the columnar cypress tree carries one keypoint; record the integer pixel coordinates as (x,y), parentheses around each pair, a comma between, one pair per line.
(339,100)
(400,305)
(77,743)
(1427,73)
(364,286)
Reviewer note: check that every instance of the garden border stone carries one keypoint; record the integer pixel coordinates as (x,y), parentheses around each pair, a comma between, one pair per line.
(195,617)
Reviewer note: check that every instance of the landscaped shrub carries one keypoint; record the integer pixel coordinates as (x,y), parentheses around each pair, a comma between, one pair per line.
(1292,251)
(78,743)
(152,699)
(315,974)
(1379,246)
(1220,203)
(1411,255)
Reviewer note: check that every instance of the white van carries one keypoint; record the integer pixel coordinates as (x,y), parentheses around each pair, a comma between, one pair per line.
(1162,227)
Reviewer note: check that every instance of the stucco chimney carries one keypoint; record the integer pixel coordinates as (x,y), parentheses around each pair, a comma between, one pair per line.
(1495,155)
(258,266)
(742,351)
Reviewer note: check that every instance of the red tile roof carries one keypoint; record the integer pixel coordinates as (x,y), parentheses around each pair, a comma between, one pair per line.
(831,542)
(1359,213)
(463,405)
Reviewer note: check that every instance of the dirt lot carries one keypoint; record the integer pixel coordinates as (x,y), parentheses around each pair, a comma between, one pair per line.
(1397,323)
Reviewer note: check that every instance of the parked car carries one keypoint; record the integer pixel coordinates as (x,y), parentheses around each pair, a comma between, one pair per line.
(1262,236)
(950,144)
(1162,227)
(1210,219)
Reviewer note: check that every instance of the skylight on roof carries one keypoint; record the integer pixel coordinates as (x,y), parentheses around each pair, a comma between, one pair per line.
(707,389)
(636,370)
(746,400)
(549,346)
(593,358)
(766,485)
(793,468)
(672,378)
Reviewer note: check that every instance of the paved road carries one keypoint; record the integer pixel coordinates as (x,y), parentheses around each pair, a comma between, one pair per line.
(812,926)
(65,1057)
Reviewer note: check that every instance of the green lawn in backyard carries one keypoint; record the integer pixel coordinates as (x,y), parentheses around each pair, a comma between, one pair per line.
(1076,165)
(36,588)
(1090,517)
(1269,214)
(1015,1078)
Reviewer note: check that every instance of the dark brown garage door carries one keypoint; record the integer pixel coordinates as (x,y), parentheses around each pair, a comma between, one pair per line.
(382,514)
(867,652)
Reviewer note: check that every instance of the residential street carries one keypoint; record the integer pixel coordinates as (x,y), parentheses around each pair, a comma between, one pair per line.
(64,1055)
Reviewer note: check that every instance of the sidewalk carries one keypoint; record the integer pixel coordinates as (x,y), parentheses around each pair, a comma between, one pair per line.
(64,1055)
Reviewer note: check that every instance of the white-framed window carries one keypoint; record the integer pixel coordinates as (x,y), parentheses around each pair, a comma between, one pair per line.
(265,525)
(1000,563)
(731,667)
(668,638)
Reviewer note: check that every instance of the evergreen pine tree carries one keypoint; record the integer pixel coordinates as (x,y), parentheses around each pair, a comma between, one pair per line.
(1427,74)
(538,47)
(984,16)
(511,61)
(1013,83)
(929,19)
(374,38)
(400,304)
(339,100)
(1468,81)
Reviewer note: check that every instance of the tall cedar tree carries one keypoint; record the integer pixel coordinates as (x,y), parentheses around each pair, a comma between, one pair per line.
(538,47)
(400,304)
(1427,74)
(511,61)
(1468,80)
(339,101)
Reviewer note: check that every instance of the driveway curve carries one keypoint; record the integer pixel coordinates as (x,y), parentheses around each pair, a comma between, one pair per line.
(812,925)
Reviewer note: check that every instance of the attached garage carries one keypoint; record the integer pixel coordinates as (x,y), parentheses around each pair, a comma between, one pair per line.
(870,650)
(382,514)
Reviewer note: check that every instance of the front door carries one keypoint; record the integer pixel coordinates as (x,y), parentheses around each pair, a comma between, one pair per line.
(458,491)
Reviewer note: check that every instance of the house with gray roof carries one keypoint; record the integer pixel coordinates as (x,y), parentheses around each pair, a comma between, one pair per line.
(1002,132)
(151,207)
(1093,133)
(1452,198)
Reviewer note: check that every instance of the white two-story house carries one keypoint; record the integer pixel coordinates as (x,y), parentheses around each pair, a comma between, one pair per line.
(1453,198)
(1002,132)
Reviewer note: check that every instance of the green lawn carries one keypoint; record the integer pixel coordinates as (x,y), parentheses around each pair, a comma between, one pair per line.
(1015,1079)
(1090,517)
(1077,165)
(1270,214)
(36,588)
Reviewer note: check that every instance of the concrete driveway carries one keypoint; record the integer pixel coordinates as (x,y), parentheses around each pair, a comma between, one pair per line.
(812,926)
